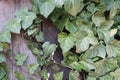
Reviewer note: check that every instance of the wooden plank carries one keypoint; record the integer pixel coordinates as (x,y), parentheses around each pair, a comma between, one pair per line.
(18,45)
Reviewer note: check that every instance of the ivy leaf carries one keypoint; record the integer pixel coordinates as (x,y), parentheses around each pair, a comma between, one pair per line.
(60,25)
(58,76)
(40,37)
(97,50)
(71,27)
(116,74)
(98,18)
(83,43)
(5,36)
(48,49)
(66,41)
(58,3)
(91,8)
(2,58)
(26,17)
(31,31)
(106,77)
(73,6)
(32,67)
(14,25)
(113,12)
(19,76)
(104,66)
(75,65)
(91,78)
(74,75)
(20,58)
(86,66)
(44,74)
(2,73)
(104,30)
(112,4)
(1,47)
(113,49)
(46,8)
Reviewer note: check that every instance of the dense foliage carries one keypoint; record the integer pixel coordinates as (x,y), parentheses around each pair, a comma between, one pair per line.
(89,37)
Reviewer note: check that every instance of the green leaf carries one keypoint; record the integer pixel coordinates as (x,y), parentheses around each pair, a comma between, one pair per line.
(103,30)
(106,77)
(2,73)
(2,58)
(5,36)
(85,65)
(113,49)
(116,74)
(60,25)
(26,17)
(73,6)
(66,41)
(20,58)
(91,78)
(40,37)
(98,18)
(91,8)
(75,65)
(83,43)
(1,46)
(44,74)
(48,49)
(32,67)
(46,8)
(19,76)
(74,75)
(58,3)
(113,12)
(31,31)
(112,4)
(70,27)
(58,76)
(14,25)
(105,65)
(94,51)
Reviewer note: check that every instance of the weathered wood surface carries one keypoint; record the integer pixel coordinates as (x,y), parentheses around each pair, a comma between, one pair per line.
(18,45)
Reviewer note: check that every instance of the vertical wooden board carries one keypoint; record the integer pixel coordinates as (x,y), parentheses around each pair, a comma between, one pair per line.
(51,34)
(18,45)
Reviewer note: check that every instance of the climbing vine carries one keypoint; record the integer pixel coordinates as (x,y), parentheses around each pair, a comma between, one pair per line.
(89,32)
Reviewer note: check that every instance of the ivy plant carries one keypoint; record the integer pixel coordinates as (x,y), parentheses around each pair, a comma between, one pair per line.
(89,32)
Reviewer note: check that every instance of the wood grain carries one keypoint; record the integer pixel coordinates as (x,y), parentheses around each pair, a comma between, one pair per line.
(18,45)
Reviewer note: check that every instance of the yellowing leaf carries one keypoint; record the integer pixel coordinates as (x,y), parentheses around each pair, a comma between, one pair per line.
(98,18)
(116,74)
(113,32)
